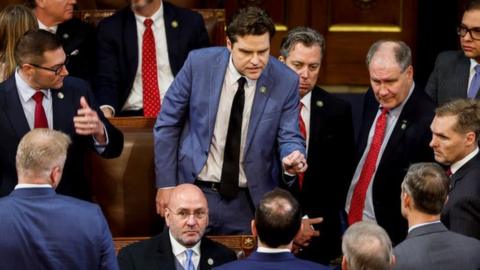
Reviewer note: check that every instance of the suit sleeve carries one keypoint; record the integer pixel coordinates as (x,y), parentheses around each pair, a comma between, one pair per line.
(465,216)
(125,261)
(347,149)
(108,259)
(168,127)
(107,68)
(288,136)
(432,84)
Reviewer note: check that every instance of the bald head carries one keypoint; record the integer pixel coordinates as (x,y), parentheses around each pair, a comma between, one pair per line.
(187,214)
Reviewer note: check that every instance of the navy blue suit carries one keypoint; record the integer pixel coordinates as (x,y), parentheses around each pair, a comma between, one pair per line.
(117,49)
(43,230)
(434,247)
(184,128)
(272,261)
(14,125)
(408,144)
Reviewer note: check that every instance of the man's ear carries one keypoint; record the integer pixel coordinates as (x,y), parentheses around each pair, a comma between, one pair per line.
(253,228)
(55,176)
(229,44)
(282,59)
(344,263)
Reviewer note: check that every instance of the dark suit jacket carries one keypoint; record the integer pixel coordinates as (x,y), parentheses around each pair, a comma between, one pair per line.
(13,125)
(78,39)
(408,144)
(461,213)
(270,261)
(117,49)
(449,78)
(330,158)
(156,253)
(434,247)
(43,230)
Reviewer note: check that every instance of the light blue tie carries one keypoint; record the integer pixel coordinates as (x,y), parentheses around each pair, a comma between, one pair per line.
(475,85)
(188,262)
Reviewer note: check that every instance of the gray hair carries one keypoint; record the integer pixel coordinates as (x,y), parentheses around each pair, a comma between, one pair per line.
(306,36)
(366,246)
(428,186)
(401,51)
(39,151)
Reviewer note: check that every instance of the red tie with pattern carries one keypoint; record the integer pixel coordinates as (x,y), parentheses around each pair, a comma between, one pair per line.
(151,94)
(40,120)
(358,198)
(303,131)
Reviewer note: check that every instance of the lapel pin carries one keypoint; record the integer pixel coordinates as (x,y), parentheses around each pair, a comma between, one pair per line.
(174,24)
(74,52)
(210,261)
(263,89)
(319,103)
(65,36)
(404,124)
(60,95)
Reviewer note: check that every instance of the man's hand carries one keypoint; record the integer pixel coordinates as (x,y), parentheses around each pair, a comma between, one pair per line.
(161,201)
(87,122)
(107,112)
(295,163)
(305,235)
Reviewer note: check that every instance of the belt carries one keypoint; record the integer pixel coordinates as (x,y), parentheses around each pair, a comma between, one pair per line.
(215,186)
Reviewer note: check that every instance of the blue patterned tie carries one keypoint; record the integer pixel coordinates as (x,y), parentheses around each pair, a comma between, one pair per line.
(472,91)
(188,262)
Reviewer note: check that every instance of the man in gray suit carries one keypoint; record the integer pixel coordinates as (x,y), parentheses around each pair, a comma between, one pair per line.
(454,75)
(429,245)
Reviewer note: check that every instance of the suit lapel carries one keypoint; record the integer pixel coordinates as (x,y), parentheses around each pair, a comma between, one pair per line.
(130,41)
(369,113)
(14,109)
(61,106)
(262,93)
(462,75)
(171,33)
(317,116)
(164,258)
(458,175)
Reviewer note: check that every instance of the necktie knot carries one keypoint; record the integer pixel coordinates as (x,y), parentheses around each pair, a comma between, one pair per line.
(384,110)
(148,22)
(38,97)
(241,82)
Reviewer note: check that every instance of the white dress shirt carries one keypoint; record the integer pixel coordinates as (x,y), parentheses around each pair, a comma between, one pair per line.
(392,117)
(306,110)
(459,164)
(164,72)
(213,167)
(179,252)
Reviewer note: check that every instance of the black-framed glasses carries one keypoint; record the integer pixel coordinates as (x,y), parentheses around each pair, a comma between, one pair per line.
(474,32)
(55,70)
(184,214)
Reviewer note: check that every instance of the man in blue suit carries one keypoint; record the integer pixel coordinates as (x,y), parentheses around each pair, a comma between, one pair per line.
(120,46)
(277,220)
(44,230)
(227,121)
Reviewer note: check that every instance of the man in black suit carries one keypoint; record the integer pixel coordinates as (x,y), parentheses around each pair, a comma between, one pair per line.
(327,122)
(394,134)
(119,85)
(183,244)
(454,73)
(429,245)
(455,129)
(40,94)
(78,38)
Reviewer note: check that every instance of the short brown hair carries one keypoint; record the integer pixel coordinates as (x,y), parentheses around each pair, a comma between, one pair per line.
(467,112)
(250,21)
(31,46)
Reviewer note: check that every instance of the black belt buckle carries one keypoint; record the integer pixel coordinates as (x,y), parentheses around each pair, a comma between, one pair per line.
(214,186)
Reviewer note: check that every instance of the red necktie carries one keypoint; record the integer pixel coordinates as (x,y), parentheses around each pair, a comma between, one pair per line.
(151,95)
(448,172)
(303,131)
(40,117)
(358,198)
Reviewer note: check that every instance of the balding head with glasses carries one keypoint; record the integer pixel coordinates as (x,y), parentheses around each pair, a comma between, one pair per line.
(457,73)
(182,245)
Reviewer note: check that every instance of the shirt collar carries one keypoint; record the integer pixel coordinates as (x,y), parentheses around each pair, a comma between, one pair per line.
(25,185)
(25,91)
(235,75)
(457,165)
(421,225)
(156,17)
(473,63)
(306,100)
(272,250)
(51,29)
(178,248)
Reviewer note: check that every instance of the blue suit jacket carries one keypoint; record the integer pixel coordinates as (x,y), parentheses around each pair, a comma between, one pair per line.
(43,230)
(117,49)
(13,125)
(184,129)
(271,261)
(434,247)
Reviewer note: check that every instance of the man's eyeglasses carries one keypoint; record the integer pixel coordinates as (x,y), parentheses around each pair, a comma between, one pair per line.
(462,30)
(55,70)
(184,214)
